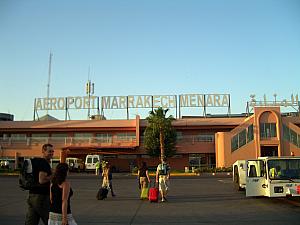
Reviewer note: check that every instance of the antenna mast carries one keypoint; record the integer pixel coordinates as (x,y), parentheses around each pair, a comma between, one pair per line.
(89,92)
(49,79)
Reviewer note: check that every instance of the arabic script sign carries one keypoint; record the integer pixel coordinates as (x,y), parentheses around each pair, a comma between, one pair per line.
(294,101)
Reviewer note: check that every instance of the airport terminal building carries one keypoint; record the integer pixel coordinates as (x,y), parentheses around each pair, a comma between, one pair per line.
(202,141)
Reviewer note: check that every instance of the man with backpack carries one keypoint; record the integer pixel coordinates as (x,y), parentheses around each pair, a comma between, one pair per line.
(162,178)
(38,200)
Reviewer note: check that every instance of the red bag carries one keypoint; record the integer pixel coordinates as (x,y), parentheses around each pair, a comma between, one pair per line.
(153,194)
(298,189)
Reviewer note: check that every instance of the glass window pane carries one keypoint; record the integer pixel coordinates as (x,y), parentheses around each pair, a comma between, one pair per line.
(242,138)
(250,135)
(294,138)
(273,130)
(262,131)
(59,135)
(179,135)
(18,137)
(234,143)
(286,133)
(83,135)
(39,135)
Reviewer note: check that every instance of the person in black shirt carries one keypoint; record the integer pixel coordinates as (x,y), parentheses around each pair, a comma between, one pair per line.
(60,194)
(38,199)
(144,180)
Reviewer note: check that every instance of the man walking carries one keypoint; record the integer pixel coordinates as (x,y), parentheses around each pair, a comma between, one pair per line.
(38,200)
(162,178)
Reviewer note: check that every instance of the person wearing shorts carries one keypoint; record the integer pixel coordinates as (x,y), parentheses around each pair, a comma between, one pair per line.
(163,178)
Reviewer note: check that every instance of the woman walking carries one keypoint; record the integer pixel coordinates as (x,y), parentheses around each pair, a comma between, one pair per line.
(144,180)
(107,177)
(60,194)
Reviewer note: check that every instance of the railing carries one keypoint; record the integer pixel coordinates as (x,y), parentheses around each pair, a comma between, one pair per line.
(192,139)
(67,141)
(95,141)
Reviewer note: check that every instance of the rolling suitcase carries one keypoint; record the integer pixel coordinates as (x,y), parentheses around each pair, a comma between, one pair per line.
(102,193)
(153,194)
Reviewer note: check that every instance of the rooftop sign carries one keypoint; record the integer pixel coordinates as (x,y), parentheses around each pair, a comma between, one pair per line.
(133,101)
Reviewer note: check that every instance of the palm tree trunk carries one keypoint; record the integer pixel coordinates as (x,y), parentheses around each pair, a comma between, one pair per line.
(162,146)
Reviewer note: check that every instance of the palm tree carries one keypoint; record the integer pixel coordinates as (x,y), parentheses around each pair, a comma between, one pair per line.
(159,134)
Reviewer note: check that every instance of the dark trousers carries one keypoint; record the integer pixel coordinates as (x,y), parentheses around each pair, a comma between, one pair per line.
(38,208)
(111,188)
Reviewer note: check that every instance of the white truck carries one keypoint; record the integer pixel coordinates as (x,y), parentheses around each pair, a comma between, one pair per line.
(90,162)
(268,176)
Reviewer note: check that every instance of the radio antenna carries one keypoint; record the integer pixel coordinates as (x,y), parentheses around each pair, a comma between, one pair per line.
(49,79)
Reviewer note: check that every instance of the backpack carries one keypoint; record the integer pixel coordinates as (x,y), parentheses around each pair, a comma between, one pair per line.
(163,169)
(26,177)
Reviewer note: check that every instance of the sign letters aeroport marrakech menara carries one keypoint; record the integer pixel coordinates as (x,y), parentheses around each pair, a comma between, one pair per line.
(133,101)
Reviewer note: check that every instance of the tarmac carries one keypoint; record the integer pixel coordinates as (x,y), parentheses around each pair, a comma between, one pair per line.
(193,199)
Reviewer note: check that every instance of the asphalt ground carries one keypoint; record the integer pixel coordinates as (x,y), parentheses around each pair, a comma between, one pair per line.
(203,199)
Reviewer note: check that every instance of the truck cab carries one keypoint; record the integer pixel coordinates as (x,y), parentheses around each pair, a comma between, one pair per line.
(269,176)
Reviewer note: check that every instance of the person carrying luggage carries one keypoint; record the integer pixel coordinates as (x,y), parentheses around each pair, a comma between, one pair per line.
(107,177)
(144,180)
(163,178)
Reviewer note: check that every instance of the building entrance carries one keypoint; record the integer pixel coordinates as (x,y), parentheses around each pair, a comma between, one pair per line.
(269,151)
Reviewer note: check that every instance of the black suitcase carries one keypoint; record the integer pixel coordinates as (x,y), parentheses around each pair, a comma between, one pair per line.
(102,193)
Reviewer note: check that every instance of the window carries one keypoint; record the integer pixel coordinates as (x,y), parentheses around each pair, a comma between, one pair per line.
(268,130)
(179,135)
(204,138)
(104,137)
(234,143)
(293,137)
(273,130)
(242,138)
(126,136)
(250,135)
(58,137)
(83,135)
(39,137)
(286,133)
(202,160)
(18,137)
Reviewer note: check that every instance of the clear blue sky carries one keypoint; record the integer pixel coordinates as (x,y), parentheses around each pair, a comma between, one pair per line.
(139,47)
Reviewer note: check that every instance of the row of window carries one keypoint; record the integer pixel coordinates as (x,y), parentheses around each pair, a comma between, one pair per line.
(196,137)
(242,138)
(98,137)
(291,136)
(78,135)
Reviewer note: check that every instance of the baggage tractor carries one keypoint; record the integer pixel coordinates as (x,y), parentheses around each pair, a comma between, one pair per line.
(102,193)
(153,194)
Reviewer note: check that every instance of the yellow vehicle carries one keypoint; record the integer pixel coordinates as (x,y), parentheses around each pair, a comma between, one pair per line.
(268,176)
